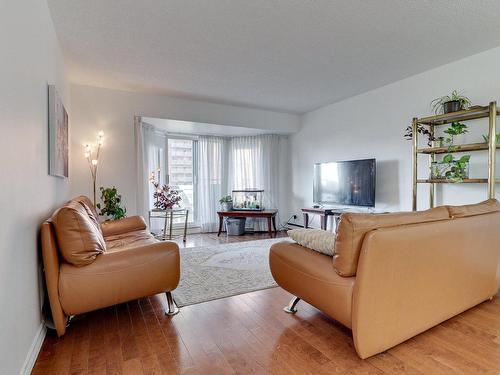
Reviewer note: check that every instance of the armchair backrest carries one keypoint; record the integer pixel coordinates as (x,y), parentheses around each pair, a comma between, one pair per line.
(354,226)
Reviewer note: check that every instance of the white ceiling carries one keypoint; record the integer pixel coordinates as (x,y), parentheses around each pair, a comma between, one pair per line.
(286,55)
(200,128)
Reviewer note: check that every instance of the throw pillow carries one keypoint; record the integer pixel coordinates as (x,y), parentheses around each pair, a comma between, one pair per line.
(319,240)
(78,237)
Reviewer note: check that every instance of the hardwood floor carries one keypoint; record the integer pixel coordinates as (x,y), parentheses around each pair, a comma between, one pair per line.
(250,334)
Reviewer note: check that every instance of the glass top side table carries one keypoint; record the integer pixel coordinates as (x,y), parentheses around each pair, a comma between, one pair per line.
(168,216)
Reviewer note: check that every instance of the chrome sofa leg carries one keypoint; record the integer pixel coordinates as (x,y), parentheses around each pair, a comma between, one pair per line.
(172,307)
(291,307)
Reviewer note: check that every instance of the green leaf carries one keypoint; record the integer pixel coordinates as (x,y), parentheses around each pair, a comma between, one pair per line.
(448,158)
(464,159)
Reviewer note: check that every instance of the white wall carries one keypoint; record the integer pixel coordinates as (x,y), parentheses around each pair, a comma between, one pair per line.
(30,60)
(372,125)
(113,112)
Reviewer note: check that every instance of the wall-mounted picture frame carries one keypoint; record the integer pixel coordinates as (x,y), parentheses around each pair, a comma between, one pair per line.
(58,135)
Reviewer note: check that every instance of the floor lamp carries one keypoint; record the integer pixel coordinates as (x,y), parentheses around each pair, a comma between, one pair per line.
(93,159)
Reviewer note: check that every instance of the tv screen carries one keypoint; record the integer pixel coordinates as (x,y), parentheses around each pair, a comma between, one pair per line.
(350,183)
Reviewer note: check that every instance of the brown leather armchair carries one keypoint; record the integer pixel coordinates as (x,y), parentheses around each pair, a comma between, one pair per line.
(394,276)
(89,266)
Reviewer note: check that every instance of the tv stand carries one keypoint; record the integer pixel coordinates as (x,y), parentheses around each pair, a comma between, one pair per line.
(323,213)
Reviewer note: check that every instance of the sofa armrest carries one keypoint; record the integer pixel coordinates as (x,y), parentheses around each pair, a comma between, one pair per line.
(413,277)
(125,225)
(119,276)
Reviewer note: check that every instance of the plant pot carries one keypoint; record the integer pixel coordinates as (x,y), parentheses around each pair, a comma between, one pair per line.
(227,206)
(452,106)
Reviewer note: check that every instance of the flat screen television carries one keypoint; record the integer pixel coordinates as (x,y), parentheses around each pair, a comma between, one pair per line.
(349,183)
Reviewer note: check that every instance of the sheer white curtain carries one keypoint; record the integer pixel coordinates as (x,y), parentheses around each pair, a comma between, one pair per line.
(144,135)
(254,162)
(212,179)
(151,149)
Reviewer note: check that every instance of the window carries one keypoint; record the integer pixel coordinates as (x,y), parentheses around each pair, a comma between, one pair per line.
(180,171)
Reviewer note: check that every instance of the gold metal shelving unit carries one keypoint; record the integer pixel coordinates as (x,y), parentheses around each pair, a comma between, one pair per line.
(473,113)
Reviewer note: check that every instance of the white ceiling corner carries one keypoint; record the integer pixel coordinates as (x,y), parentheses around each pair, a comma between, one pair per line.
(284,55)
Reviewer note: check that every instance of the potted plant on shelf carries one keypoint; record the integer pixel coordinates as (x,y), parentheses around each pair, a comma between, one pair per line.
(112,204)
(456,170)
(450,103)
(226,203)
(487,138)
(422,130)
(454,130)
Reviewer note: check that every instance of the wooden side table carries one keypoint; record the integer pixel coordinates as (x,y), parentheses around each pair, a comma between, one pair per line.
(270,215)
(168,216)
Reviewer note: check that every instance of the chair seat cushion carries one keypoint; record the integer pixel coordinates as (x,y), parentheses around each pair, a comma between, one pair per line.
(129,239)
(310,276)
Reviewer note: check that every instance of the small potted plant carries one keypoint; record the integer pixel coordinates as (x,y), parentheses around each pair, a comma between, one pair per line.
(112,204)
(450,103)
(454,130)
(455,170)
(422,130)
(487,138)
(226,203)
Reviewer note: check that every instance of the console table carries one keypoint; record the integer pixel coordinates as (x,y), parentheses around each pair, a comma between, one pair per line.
(270,215)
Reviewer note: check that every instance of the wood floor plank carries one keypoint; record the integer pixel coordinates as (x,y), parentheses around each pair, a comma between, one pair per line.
(250,334)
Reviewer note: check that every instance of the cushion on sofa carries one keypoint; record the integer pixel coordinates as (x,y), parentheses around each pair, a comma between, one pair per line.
(353,227)
(78,235)
(485,207)
(91,211)
(316,239)
(130,239)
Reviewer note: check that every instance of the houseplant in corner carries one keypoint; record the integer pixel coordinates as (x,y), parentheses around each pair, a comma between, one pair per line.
(226,203)
(112,204)
(450,103)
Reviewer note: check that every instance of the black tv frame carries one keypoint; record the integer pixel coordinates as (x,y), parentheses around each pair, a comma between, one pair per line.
(322,204)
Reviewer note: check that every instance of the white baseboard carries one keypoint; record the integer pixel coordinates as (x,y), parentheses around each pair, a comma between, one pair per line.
(36,345)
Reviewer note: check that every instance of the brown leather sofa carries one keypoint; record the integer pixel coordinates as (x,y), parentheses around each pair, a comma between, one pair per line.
(89,266)
(394,276)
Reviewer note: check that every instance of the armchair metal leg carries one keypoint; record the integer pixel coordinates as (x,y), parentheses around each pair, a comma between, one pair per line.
(172,307)
(291,307)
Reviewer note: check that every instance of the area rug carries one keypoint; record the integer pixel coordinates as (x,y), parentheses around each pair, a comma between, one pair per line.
(218,271)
